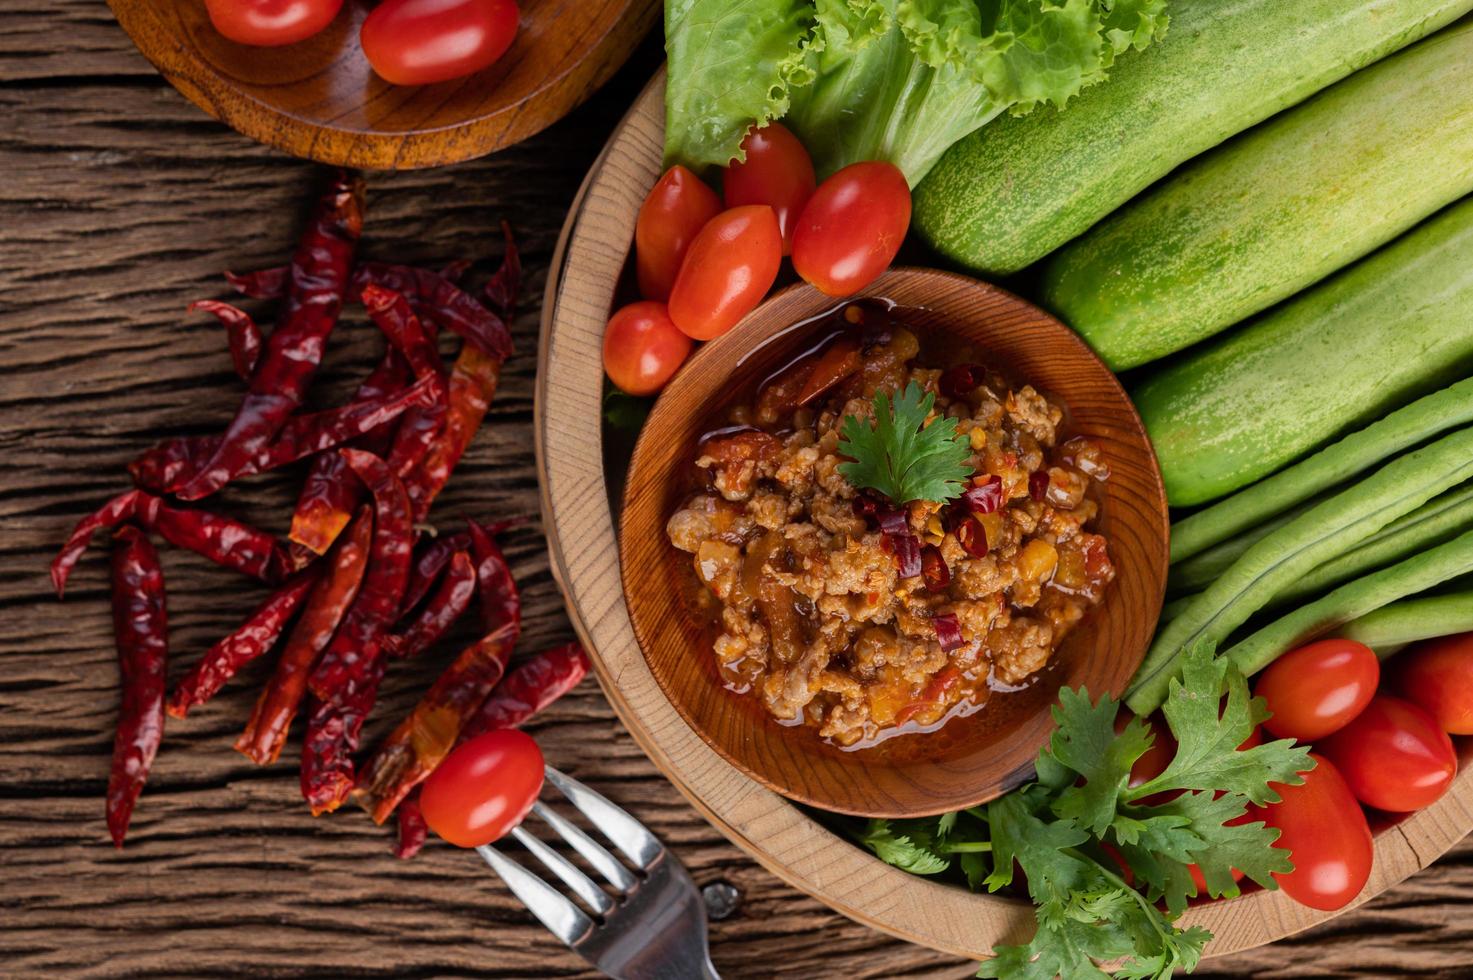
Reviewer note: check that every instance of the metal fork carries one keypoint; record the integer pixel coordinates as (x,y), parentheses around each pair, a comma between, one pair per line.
(652,926)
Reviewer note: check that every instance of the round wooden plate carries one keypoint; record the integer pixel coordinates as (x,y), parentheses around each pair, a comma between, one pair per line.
(580,527)
(319,98)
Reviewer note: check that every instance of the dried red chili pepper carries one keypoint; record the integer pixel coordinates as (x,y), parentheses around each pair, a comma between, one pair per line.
(962,380)
(984,498)
(505,284)
(528,688)
(934,570)
(254,637)
(331,492)
(261,284)
(449,306)
(350,657)
(170,464)
(948,631)
(266,732)
(425,570)
(413,831)
(333,732)
(473,382)
(972,537)
(441,612)
(317,283)
(241,333)
(141,629)
(418,428)
(501,600)
(1038,485)
(421,741)
(221,539)
(900,541)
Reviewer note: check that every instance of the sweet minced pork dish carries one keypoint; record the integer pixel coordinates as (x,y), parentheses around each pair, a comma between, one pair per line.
(888,543)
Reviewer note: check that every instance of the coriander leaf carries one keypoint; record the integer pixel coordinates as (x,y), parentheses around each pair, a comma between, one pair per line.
(1209,729)
(1085,742)
(975,867)
(1224,845)
(946,823)
(900,455)
(901,851)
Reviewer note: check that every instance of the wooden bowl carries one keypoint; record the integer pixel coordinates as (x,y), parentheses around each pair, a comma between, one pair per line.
(969,760)
(319,98)
(782,837)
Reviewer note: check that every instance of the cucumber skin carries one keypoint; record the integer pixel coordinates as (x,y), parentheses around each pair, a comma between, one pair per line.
(1019,188)
(1275,210)
(1394,326)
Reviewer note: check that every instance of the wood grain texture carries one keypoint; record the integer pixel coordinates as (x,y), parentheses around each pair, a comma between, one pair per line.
(320,99)
(121,202)
(970,760)
(585,557)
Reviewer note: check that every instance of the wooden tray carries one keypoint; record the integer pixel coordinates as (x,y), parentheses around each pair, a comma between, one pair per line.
(320,99)
(589,260)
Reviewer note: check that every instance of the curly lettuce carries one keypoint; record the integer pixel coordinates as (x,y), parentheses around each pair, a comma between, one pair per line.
(898,80)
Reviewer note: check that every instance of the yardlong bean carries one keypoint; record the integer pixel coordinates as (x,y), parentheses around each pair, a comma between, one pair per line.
(1406,427)
(1393,626)
(1324,532)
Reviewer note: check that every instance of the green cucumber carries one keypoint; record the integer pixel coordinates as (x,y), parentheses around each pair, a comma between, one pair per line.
(1279,208)
(1020,187)
(1391,327)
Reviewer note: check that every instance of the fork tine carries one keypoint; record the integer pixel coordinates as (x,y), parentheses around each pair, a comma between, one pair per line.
(627,834)
(580,883)
(593,852)
(561,917)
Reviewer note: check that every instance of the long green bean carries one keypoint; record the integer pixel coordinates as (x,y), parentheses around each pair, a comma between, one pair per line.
(1325,531)
(1394,626)
(1434,521)
(1199,571)
(1352,600)
(1438,412)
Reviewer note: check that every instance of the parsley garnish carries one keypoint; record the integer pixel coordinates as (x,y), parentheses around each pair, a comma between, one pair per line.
(1055,829)
(900,455)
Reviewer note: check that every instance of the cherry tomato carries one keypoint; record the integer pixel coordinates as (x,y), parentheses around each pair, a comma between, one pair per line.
(1318,688)
(677,208)
(643,348)
(267,23)
(727,270)
(1326,834)
(1438,675)
(777,172)
(1394,756)
(416,42)
(484,788)
(852,227)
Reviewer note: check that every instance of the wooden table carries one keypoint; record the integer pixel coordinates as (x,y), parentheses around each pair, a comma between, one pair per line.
(120,203)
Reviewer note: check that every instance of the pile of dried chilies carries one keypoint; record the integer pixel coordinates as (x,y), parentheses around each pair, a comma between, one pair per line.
(353,588)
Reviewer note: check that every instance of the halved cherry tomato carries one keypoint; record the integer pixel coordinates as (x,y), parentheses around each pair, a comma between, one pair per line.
(1394,756)
(643,348)
(852,227)
(417,42)
(267,23)
(1327,837)
(484,788)
(677,208)
(727,270)
(1318,688)
(777,172)
(1438,675)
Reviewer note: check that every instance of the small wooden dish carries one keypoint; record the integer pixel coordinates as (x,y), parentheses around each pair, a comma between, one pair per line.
(320,99)
(786,839)
(969,760)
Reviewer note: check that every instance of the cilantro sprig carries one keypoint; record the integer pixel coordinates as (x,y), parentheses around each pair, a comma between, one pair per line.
(1062,829)
(902,456)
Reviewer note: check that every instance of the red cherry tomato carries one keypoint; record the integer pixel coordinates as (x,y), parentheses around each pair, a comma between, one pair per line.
(777,172)
(416,42)
(727,270)
(1394,756)
(677,208)
(1438,675)
(1318,688)
(267,23)
(852,227)
(1326,834)
(643,348)
(484,788)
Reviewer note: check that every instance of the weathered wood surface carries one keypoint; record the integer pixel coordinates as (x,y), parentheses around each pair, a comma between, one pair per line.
(119,203)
